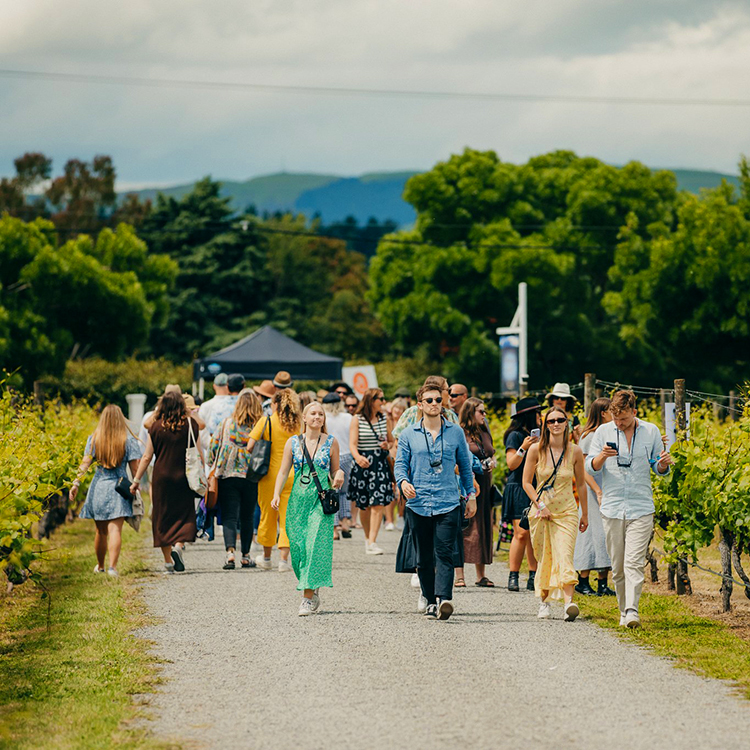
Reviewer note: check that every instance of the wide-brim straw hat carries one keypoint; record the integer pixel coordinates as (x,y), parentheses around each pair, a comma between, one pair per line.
(561,390)
(266,389)
(283,379)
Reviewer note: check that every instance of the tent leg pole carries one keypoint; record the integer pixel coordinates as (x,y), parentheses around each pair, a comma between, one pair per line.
(201,385)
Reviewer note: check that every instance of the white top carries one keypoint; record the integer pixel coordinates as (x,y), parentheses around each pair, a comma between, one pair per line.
(338,425)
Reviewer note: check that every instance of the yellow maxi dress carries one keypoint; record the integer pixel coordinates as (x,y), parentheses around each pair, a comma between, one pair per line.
(273,523)
(554,539)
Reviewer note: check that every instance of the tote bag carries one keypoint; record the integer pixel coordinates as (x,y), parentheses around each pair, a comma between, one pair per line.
(260,458)
(196,476)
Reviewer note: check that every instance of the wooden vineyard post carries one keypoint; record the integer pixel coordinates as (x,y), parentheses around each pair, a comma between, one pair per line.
(589,391)
(681,579)
(733,406)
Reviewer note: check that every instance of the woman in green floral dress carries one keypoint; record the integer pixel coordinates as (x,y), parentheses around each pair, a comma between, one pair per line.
(310,531)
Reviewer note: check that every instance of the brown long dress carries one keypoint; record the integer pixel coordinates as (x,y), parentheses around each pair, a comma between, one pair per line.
(173,512)
(478,534)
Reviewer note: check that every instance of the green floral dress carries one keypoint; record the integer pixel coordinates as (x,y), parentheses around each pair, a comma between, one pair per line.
(310,531)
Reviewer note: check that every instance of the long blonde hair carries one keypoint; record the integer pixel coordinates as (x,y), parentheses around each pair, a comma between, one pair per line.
(288,410)
(323,429)
(247,410)
(110,437)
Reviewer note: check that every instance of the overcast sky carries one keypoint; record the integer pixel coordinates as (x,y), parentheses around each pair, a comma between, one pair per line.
(643,48)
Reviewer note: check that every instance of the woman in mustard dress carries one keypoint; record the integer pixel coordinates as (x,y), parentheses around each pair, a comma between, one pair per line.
(284,422)
(553,514)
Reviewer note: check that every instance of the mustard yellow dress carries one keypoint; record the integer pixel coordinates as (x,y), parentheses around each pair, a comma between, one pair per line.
(554,539)
(272,525)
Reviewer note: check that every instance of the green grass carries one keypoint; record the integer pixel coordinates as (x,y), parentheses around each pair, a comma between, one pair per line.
(74,686)
(671,629)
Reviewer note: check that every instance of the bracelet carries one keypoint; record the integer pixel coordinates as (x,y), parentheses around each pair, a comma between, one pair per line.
(541,505)
(521,452)
(76,483)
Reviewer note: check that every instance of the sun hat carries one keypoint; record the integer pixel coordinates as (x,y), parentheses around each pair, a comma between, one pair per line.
(265,389)
(283,379)
(402,392)
(528,403)
(189,402)
(221,379)
(172,388)
(561,390)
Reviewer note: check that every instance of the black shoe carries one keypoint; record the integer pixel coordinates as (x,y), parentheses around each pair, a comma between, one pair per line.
(530,581)
(444,610)
(584,587)
(603,589)
(513,581)
(346,534)
(431,611)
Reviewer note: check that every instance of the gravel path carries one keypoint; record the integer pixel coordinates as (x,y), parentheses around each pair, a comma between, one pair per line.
(245,671)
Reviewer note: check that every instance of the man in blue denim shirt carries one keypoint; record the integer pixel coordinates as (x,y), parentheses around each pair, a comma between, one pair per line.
(428,454)
(622,455)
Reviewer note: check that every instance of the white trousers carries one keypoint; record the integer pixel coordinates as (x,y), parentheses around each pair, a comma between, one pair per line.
(627,544)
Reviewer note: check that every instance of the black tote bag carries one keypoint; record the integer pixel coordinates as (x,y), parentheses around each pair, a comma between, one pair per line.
(260,458)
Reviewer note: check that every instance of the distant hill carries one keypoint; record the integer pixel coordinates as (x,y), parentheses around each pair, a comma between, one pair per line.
(377,194)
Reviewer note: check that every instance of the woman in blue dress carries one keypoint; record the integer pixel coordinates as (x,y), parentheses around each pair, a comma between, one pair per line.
(310,531)
(113,446)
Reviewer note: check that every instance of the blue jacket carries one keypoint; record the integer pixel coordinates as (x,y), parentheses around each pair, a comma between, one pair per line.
(437,489)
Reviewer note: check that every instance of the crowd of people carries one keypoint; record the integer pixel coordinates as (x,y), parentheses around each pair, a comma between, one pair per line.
(577,497)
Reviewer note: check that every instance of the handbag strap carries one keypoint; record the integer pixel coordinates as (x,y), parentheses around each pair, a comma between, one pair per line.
(551,481)
(191,437)
(267,424)
(374,431)
(314,473)
(223,426)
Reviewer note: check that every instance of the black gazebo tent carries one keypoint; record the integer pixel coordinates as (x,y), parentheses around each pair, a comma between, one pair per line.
(262,354)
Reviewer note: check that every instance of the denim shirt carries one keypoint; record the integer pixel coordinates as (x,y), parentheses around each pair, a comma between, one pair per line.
(437,491)
(626,491)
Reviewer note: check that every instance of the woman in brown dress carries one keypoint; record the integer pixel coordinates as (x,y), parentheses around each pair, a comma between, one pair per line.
(173,502)
(478,534)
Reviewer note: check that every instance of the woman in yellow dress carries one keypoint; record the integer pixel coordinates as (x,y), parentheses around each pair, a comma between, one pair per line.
(553,514)
(284,422)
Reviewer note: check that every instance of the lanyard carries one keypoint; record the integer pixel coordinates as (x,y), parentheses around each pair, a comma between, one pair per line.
(306,479)
(434,464)
(632,446)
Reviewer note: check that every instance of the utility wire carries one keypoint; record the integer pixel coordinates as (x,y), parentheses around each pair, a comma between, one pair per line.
(707,570)
(117,80)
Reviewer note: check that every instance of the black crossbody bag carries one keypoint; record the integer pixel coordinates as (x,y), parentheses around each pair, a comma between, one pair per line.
(524,522)
(329,499)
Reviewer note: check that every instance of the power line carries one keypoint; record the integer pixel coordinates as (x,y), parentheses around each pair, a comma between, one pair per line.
(267,88)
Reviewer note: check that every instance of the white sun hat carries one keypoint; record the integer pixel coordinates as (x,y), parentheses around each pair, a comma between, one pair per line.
(561,390)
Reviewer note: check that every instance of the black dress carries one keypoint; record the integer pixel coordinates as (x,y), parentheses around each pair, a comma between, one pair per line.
(478,534)
(515,499)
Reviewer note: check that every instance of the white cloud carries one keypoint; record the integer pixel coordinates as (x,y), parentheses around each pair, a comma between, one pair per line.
(662,48)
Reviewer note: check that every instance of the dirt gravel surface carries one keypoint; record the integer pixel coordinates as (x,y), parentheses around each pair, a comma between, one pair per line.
(243,670)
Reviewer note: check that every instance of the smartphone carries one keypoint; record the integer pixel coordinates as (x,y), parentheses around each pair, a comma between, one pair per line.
(613,446)
(536,432)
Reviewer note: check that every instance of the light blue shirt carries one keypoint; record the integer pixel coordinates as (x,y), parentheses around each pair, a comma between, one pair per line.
(437,490)
(626,490)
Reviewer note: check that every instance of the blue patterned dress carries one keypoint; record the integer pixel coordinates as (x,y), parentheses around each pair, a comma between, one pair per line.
(103,502)
(310,531)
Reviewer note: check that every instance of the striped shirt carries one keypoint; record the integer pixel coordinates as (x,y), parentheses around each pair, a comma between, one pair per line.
(367,440)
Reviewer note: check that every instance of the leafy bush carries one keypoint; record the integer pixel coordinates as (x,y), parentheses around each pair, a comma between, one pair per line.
(97,381)
(40,451)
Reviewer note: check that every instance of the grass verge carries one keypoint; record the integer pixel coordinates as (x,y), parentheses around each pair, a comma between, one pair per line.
(671,629)
(74,686)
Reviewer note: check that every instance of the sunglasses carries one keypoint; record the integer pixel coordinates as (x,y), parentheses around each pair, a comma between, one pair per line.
(482,412)
(557,421)
(342,392)
(430,399)
(456,395)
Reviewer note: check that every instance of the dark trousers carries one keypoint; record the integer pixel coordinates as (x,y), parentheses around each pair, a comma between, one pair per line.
(238,498)
(436,541)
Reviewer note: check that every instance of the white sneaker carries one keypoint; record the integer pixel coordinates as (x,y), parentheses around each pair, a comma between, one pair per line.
(390,527)
(415,584)
(168,569)
(571,612)
(373,549)
(545,611)
(263,563)
(112,572)
(284,566)
(306,608)
(421,604)
(445,609)
(632,620)
(97,569)
(623,620)
(315,600)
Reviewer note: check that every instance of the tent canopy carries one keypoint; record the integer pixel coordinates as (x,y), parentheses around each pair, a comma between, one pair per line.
(262,354)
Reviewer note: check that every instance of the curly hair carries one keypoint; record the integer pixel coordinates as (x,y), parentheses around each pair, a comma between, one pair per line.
(172,411)
(288,410)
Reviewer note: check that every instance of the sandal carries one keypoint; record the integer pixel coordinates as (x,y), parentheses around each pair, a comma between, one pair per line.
(246,562)
(460,584)
(229,564)
(485,583)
